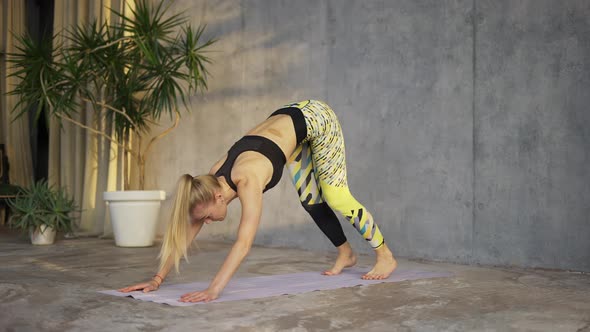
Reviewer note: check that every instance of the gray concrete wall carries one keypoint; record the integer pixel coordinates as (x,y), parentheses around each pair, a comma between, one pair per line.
(465,121)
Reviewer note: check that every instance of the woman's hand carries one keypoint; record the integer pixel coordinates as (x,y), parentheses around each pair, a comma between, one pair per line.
(148,286)
(205,296)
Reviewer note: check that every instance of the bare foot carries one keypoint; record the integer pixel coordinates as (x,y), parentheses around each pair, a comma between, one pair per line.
(346,258)
(384,266)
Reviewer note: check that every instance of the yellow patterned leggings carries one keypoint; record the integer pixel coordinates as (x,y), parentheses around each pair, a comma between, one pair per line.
(318,171)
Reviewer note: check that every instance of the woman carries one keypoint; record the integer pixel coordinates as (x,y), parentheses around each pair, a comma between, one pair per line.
(309,134)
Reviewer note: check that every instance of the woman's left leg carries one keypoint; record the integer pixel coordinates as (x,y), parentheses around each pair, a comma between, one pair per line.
(341,200)
(328,153)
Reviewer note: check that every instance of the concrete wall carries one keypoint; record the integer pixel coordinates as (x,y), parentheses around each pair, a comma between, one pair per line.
(466,122)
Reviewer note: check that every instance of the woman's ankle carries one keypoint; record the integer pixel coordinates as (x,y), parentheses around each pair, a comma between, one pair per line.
(383,251)
(344,248)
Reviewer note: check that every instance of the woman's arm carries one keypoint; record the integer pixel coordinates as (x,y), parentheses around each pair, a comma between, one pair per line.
(155,282)
(250,195)
(193,231)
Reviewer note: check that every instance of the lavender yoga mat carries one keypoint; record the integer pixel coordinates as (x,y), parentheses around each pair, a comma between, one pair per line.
(273,285)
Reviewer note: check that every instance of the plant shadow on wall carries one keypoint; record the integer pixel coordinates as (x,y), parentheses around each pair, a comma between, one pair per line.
(262,51)
(127,75)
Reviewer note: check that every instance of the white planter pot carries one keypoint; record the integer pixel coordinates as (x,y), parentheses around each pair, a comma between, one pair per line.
(42,235)
(134,216)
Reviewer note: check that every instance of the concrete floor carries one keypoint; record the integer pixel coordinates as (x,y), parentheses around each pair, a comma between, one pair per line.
(53,288)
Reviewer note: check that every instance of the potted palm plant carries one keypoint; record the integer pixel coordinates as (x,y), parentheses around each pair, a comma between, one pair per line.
(42,210)
(130,73)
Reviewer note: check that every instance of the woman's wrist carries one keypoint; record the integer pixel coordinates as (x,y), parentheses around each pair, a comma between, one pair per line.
(158,279)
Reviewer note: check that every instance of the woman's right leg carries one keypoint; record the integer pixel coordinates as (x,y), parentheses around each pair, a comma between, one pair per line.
(304,177)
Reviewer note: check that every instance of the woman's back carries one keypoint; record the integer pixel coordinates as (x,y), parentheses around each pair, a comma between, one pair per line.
(252,164)
(279,129)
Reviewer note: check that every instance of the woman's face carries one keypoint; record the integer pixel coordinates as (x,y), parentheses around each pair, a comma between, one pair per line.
(210,212)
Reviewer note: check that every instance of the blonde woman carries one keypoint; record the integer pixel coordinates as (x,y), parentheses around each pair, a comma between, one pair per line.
(307,138)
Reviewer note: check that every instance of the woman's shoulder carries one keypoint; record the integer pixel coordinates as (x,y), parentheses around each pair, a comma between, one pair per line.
(217,165)
(251,166)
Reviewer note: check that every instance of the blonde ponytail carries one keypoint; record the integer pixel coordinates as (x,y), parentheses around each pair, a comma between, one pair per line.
(190,192)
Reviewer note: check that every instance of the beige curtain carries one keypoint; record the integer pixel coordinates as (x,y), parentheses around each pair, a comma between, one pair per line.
(14,134)
(79,160)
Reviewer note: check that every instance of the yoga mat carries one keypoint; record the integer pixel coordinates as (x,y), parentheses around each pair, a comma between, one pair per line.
(274,285)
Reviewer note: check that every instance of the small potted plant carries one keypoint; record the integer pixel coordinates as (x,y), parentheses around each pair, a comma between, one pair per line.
(42,210)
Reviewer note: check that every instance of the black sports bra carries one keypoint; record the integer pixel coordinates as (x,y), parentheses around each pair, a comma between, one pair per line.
(259,144)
